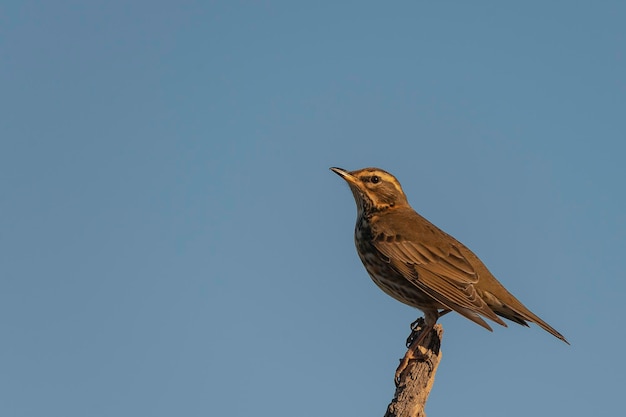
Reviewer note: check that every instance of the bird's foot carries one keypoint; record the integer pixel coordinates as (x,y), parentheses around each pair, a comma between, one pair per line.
(418,323)
(416,328)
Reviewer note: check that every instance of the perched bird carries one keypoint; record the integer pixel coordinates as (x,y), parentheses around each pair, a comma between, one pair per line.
(418,264)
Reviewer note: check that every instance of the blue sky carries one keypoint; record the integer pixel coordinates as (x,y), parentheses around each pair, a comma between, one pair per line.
(172,242)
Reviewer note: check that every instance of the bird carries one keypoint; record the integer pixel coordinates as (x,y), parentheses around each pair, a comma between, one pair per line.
(420,265)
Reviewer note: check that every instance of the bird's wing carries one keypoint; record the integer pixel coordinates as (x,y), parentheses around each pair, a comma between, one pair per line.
(441,272)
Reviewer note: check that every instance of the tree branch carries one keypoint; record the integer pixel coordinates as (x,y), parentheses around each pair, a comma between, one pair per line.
(417,380)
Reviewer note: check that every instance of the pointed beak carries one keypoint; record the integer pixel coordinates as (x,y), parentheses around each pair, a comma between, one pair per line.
(350,179)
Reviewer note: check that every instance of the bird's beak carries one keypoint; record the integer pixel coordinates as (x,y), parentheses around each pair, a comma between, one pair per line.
(350,179)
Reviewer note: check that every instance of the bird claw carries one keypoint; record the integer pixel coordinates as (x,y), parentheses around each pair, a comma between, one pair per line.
(416,329)
(417,324)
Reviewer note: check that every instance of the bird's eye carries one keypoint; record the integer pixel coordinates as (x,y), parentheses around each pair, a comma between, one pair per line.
(375,179)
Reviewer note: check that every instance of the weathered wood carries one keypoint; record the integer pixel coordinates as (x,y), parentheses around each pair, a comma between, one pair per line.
(417,380)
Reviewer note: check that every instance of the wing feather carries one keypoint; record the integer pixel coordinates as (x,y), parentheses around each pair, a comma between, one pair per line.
(442,273)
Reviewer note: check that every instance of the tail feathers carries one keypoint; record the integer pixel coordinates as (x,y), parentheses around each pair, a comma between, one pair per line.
(545,326)
(509,314)
(504,304)
(523,315)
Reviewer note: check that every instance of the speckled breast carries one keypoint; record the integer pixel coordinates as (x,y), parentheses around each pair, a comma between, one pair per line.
(384,275)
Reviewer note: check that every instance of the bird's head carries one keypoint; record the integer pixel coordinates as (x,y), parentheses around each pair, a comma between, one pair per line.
(373,189)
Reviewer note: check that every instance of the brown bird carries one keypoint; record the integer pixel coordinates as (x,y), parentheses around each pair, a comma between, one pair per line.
(420,265)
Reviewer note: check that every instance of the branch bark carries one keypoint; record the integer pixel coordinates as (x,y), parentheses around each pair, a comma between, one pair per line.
(417,380)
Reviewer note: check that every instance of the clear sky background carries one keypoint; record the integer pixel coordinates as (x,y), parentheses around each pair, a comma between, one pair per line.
(173,244)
